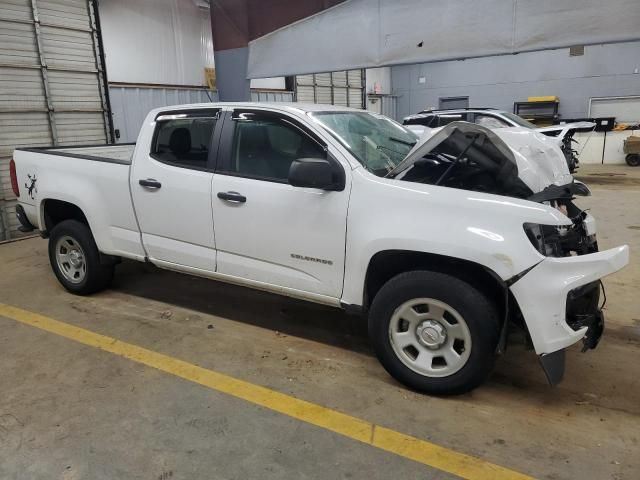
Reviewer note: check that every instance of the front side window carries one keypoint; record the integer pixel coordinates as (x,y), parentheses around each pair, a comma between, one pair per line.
(184,142)
(376,141)
(264,147)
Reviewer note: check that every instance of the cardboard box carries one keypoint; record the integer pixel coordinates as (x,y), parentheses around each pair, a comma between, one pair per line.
(632,144)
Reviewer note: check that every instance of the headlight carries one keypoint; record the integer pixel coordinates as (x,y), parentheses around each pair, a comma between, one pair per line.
(549,240)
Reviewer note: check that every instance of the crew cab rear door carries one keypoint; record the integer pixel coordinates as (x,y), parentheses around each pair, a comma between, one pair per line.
(171,188)
(267,230)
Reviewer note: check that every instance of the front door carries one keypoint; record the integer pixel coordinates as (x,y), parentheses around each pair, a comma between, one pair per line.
(267,230)
(171,190)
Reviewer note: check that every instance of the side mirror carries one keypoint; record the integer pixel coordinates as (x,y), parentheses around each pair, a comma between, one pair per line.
(312,173)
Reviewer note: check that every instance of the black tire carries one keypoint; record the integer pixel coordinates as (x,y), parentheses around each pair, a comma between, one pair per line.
(633,159)
(479,314)
(98,275)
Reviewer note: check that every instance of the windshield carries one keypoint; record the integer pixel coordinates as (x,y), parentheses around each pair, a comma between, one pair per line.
(376,141)
(519,120)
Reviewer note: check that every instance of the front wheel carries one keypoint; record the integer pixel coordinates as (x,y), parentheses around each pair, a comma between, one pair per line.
(633,159)
(75,259)
(433,332)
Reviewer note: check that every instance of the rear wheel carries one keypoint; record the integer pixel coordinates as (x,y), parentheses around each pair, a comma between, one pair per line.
(75,259)
(433,332)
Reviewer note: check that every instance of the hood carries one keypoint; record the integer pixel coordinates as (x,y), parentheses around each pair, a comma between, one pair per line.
(510,155)
(560,131)
(540,160)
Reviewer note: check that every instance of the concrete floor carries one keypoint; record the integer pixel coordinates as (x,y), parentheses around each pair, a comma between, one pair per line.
(69,411)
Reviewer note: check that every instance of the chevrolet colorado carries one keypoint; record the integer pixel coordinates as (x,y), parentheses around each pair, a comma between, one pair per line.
(445,243)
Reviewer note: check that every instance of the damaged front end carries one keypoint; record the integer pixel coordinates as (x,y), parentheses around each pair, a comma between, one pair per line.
(512,162)
(515,163)
(579,238)
(464,156)
(584,310)
(558,300)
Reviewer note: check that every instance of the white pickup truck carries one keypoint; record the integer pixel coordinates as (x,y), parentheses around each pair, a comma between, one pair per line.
(446,243)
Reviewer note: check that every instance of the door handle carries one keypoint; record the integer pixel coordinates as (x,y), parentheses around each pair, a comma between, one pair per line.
(150,183)
(234,197)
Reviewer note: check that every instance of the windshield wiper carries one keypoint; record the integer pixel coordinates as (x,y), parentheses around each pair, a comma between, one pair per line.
(382,147)
(404,142)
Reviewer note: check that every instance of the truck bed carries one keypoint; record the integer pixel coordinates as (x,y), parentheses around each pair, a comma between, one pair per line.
(89,177)
(120,153)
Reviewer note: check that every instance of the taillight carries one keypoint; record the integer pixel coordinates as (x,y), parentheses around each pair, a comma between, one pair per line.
(14,178)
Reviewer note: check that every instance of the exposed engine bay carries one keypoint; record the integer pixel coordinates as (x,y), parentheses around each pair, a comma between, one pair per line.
(514,162)
(576,239)
(470,157)
(468,160)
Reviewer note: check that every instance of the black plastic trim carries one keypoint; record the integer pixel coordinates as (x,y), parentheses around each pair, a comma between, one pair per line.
(558,192)
(82,145)
(25,225)
(232,197)
(553,365)
(52,151)
(191,112)
(518,276)
(435,110)
(253,177)
(352,309)
(149,182)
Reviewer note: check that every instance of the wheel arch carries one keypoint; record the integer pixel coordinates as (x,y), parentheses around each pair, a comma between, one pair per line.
(386,264)
(53,211)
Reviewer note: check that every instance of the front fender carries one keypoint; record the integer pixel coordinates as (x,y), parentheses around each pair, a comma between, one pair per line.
(394,215)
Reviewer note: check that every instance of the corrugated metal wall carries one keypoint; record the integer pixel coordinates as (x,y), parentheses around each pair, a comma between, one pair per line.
(271,96)
(51,83)
(131,104)
(389,106)
(343,88)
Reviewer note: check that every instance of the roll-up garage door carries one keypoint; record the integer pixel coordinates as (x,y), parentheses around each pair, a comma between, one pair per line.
(345,88)
(52,83)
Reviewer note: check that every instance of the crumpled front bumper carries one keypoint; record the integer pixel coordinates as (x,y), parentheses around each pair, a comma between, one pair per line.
(542,294)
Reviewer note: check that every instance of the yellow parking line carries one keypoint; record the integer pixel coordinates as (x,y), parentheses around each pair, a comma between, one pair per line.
(427,453)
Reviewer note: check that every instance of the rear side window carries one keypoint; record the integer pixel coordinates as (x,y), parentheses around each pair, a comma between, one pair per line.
(489,121)
(447,118)
(265,147)
(184,142)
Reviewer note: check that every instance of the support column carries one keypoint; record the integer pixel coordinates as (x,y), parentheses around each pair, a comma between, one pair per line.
(44,72)
(231,74)
(230,32)
(234,23)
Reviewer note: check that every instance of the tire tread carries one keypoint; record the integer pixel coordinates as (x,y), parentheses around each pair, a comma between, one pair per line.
(99,275)
(477,310)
